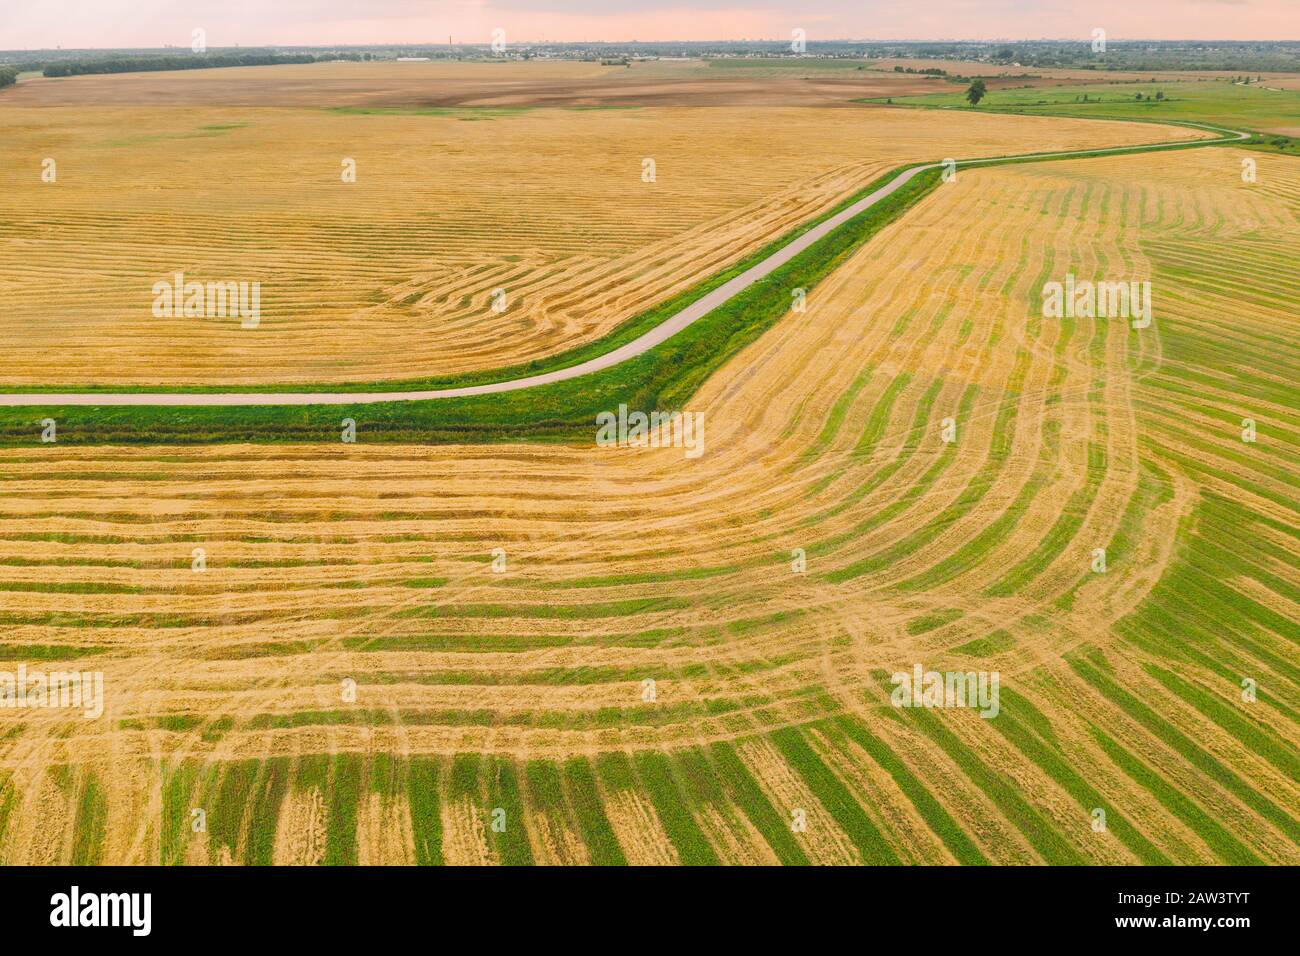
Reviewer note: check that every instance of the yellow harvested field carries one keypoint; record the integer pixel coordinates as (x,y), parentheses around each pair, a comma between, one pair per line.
(568,83)
(348,608)
(386,83)
(454,213)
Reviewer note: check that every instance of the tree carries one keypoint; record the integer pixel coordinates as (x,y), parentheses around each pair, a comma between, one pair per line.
(976,92)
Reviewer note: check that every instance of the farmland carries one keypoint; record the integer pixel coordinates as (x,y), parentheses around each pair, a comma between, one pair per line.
(395,277)
(558,653)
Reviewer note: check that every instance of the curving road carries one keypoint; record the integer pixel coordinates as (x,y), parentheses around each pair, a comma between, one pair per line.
(656,336)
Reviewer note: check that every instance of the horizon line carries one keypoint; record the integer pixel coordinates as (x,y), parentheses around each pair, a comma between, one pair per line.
(536,42)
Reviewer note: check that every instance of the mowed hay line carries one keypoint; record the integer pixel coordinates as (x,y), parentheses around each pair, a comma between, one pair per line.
(466,835)
(628,565)
(300,839)
(384,836)
(453,214)
(39,833)
(465,818)
(551,832)
(637,829)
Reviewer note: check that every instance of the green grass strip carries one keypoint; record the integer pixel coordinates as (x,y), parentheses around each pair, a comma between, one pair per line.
(8,800)
(344,794)
(89,824)
(503,793)
(1280,753)
(268,799)
(598,836)
(693,849)
(426,814)
(180,783)
(228,800)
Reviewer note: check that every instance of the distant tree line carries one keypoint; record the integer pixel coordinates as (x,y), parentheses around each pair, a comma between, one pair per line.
(204,61)
(8,76)
(1239,57)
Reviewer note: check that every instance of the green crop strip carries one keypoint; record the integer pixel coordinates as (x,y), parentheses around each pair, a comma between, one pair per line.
(225,811)
(178,782)
(1255,738)
(973,552)
(920,421)
(511,842)
(426,814)
(344,794)
(1154,488)
(8,800)
(89,824)
(971,495)
(273,784)
(835,419)
(656,774)
(1054,542)
(933,621)
(593,825)
(944,458)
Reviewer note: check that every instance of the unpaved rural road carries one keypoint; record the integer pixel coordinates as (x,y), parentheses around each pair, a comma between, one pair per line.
(656,336)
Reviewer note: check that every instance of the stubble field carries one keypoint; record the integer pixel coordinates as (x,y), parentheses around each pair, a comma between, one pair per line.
(519,697)
(393,276)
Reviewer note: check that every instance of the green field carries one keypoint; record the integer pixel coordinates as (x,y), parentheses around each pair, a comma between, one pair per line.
(1216,102)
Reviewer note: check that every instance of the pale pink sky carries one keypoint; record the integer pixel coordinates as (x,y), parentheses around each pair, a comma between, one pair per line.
(28,24)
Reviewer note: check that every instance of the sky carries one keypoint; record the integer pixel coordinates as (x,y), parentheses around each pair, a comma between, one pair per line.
(43,24)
